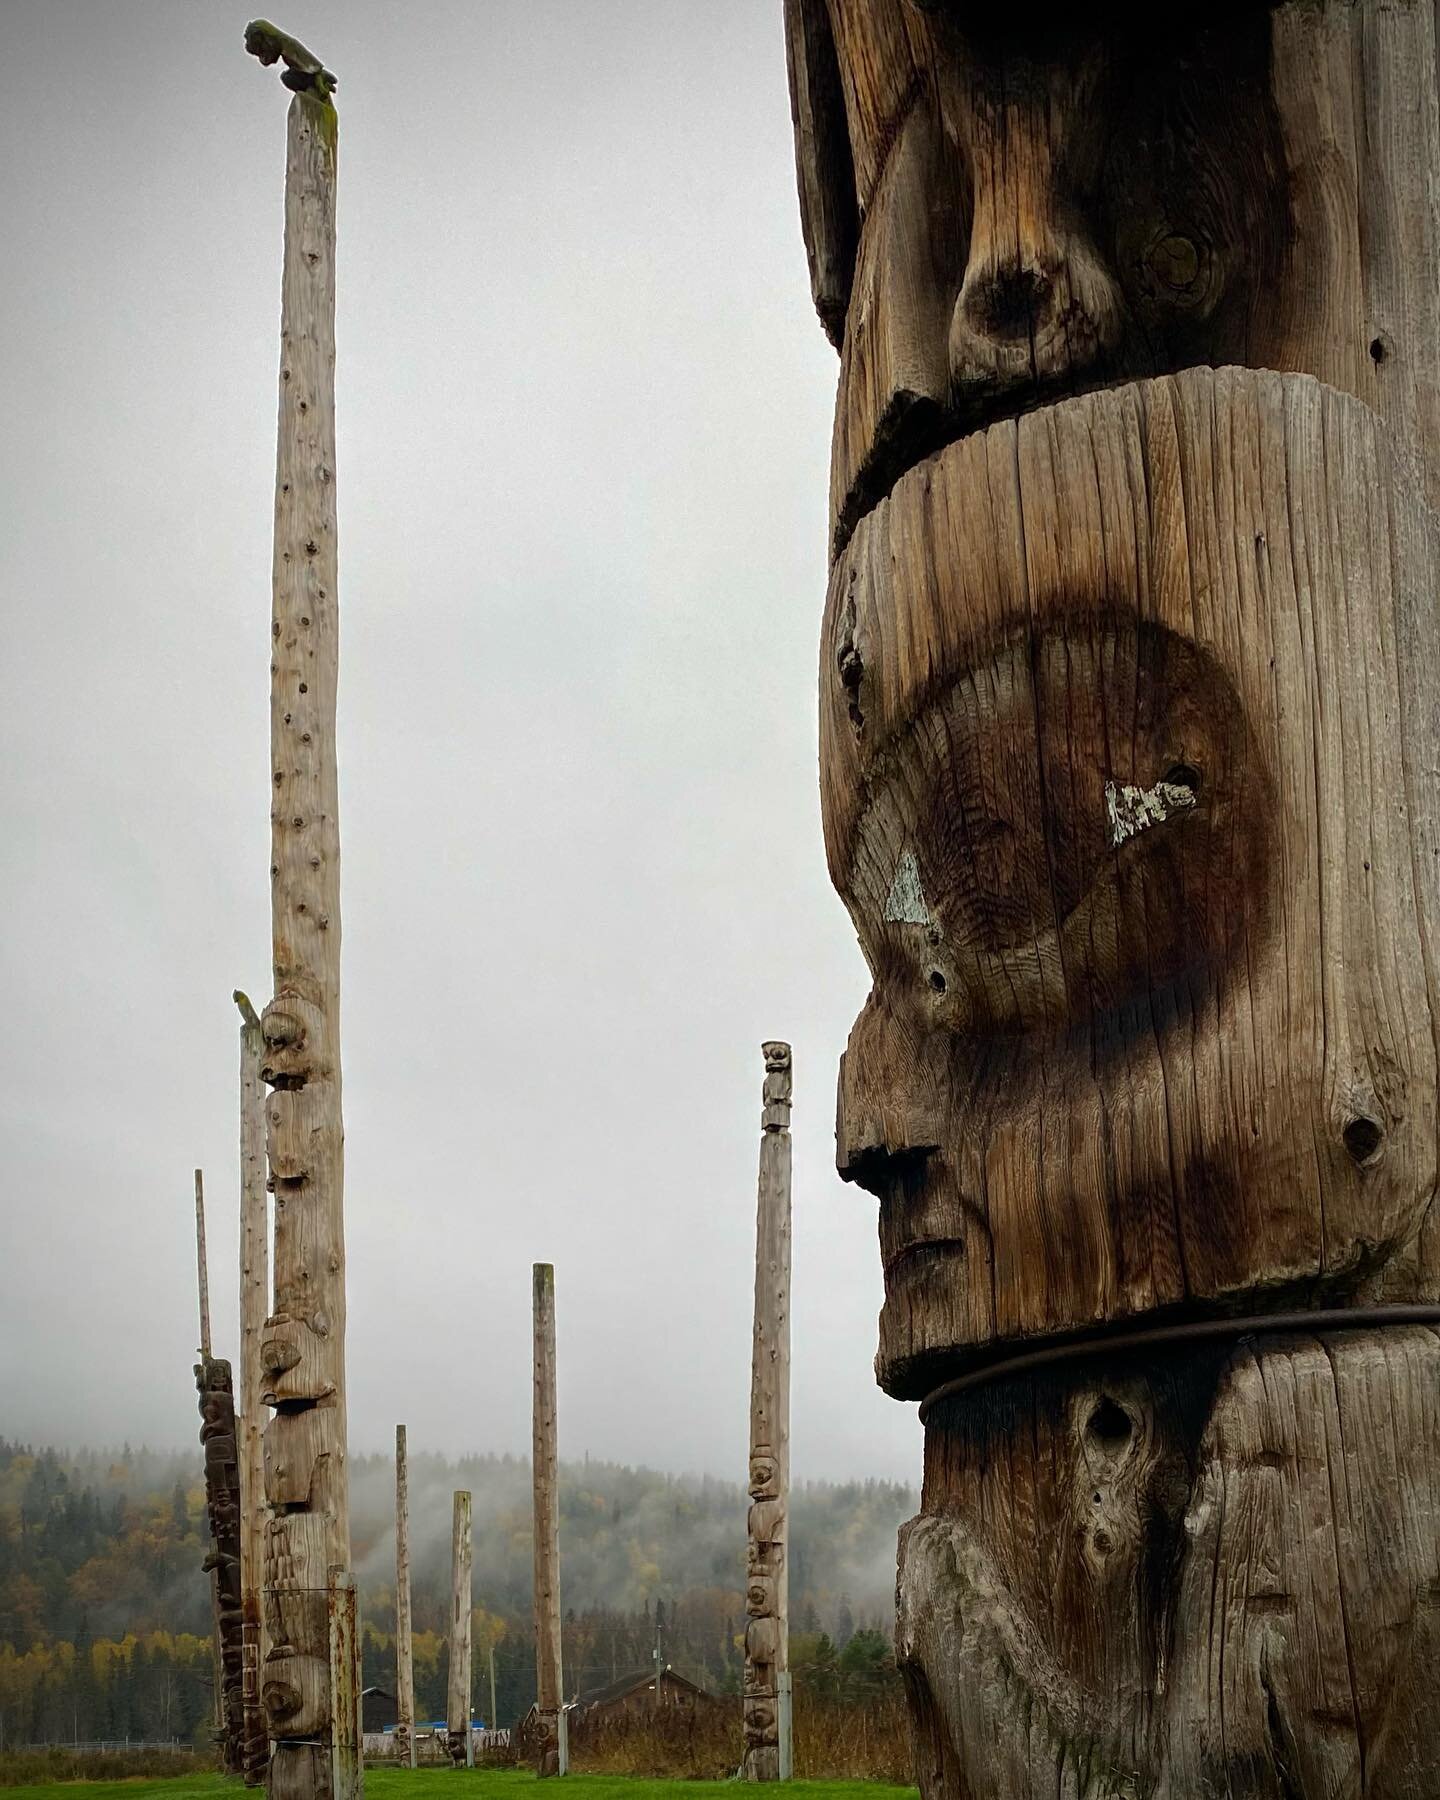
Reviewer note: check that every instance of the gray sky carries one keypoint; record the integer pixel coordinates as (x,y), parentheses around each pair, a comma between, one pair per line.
(584,413)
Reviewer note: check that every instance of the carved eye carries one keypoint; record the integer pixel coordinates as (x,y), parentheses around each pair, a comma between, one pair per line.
(1180,271)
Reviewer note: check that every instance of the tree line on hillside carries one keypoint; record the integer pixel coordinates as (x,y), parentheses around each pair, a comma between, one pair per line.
(104,1609)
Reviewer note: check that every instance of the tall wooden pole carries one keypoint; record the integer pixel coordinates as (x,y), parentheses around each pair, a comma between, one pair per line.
(549,1688)
(457,1714)
(1129,677)
(312,1707)
(202,1263)
(404,1652)
(254,1308)
(222,1505)
(767,1631)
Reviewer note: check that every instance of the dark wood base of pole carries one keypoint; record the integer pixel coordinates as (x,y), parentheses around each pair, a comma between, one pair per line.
(1216,1577)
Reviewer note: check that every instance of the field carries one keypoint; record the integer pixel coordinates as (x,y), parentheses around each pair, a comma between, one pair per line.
(448,1784)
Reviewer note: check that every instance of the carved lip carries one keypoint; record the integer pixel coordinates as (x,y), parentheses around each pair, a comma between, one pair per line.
(918,1247)
(916,430)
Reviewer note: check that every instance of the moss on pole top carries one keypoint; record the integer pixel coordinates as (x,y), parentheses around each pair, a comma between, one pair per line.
(303,73)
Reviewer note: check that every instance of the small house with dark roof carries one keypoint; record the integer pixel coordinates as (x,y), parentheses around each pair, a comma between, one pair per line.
(638,1692)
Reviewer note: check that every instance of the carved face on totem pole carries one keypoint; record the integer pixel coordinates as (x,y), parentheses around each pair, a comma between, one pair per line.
(1116,632)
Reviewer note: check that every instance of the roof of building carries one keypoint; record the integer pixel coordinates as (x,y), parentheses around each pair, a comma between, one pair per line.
(629,1684)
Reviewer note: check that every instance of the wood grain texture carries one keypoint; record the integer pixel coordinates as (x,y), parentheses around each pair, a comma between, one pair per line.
(1196,1067)
(1129,680)
(1058,209)
(549,1678)
(457,1711)
(767,1588)
(254,1308)
(303,1353)
(1211,1579)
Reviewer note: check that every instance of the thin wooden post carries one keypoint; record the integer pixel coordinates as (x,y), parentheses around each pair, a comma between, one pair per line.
(404,1653)
(202,1263)
(549,1686)
(493,1723)
(306,1690)
(767,1631)
(457,1714)
(346,1762)
(254,1307)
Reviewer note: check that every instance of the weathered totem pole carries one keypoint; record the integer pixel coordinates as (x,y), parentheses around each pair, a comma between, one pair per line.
(457,1710)
(550,1757)
(404,1643)
(310,1690)
(254,1306)
(1130,681)
(214,1384)
(767,1584)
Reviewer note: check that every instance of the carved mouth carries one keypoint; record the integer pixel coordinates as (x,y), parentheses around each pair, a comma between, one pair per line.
(915,428)
(923,1249)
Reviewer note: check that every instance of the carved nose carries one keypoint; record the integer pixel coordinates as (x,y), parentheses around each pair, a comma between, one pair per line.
(1032,312)
(1005,306)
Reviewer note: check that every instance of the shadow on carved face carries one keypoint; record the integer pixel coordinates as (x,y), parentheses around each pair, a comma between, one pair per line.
(1081,823)
(1057,207)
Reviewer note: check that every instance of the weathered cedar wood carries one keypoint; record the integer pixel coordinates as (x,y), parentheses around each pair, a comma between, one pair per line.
(457,1712)
(549,1691)
(303,1353)
(254,1307)
(767,1584)
(222,1561)
(202,1269)
(404,1651)
(1130,671)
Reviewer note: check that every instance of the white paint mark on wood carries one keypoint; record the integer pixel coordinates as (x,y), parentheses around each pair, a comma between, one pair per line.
(905,903)
(1131,810)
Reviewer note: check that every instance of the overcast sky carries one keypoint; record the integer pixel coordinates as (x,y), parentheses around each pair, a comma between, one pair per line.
(584,414)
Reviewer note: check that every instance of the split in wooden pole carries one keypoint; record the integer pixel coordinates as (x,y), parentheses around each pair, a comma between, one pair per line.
(767,1629)
(254,1309)
(309,1688)
(549,1689)
(457,1715)
(404,1651)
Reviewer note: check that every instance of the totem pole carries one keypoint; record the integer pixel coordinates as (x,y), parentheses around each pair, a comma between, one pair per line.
(254,1306)
(1130,675)
(222,1511)
(550,1756)
(767,1586)
(310,1688)
(404,1643)
(458,1737)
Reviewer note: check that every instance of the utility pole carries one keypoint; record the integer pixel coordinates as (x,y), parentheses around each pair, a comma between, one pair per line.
(254,1309)
(549,1687)
(312,1685)
(457,1718)
(767,1631)
(404,1652)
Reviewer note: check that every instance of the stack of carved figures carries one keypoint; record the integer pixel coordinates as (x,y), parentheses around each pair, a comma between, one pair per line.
(1129,714)
(222,1563)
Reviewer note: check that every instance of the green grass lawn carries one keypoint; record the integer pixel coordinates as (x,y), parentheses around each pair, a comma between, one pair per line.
(478,1784)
